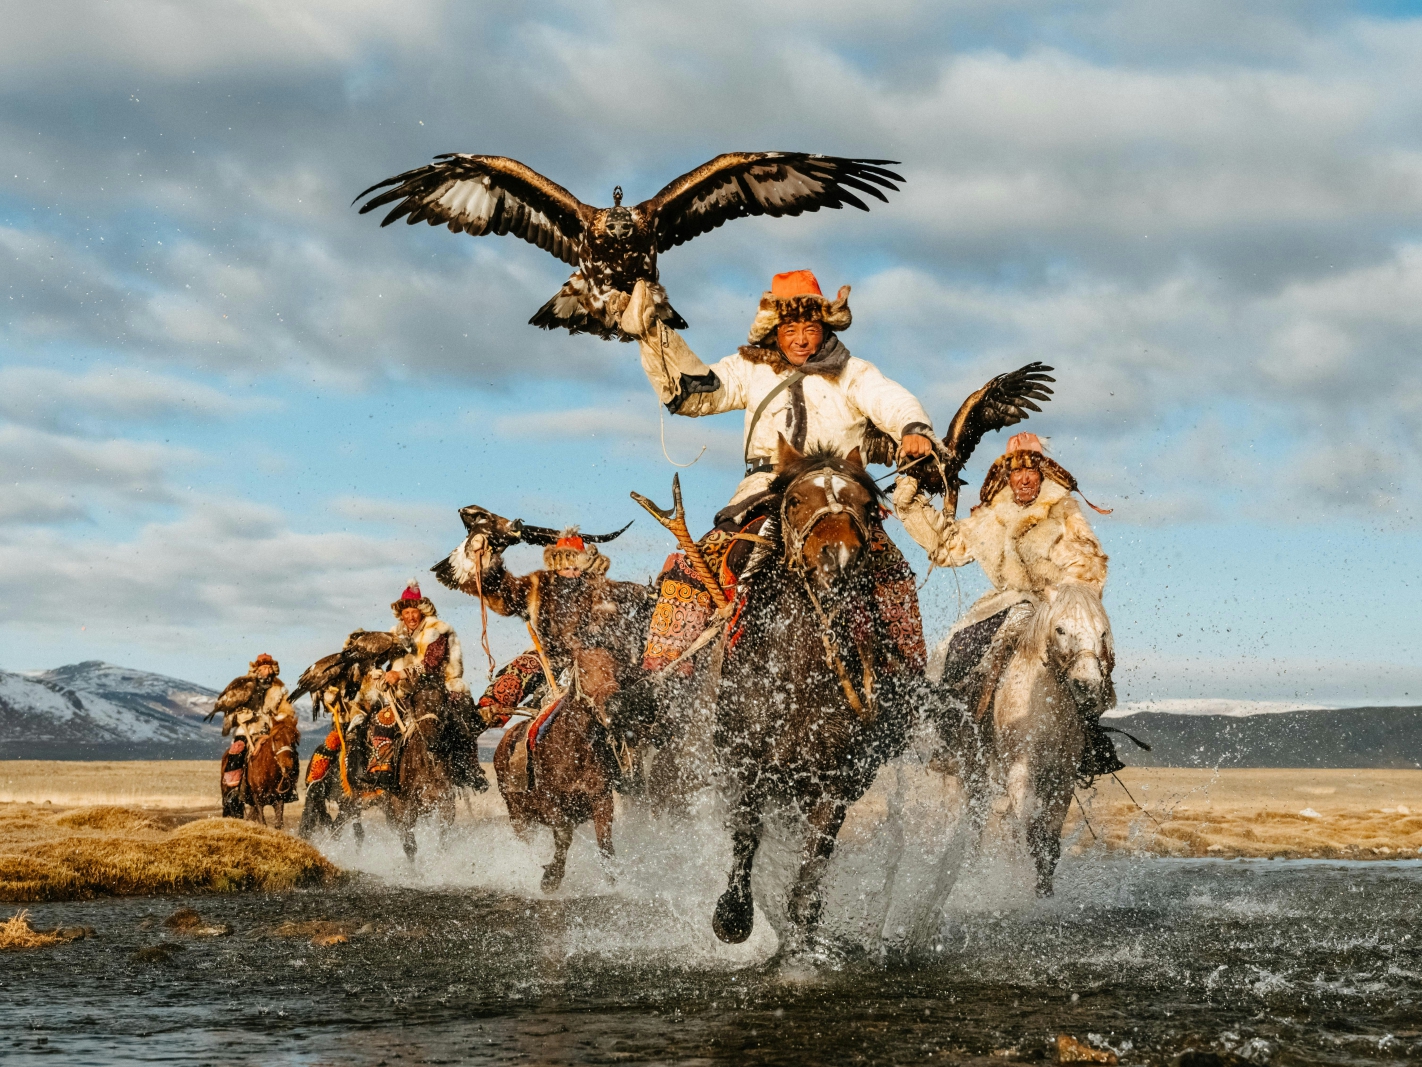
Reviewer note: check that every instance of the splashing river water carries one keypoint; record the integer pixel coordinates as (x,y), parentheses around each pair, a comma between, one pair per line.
(459,959)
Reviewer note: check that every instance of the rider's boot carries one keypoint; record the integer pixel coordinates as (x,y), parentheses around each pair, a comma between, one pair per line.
(1098,754)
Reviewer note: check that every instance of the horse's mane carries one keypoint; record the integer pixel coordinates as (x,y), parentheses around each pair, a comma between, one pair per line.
(1071,599)
(826,457)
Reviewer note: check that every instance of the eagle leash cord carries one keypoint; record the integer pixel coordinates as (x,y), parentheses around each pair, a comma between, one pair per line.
(483,612)
(661,415)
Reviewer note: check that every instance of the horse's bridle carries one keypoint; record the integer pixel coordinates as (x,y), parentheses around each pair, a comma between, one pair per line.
(794,538)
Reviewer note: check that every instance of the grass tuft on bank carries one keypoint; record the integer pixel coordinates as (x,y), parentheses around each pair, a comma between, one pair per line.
(113,851)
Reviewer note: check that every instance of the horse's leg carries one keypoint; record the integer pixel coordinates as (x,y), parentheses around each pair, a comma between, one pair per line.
(279,813)
(553,873)
(735,911)
(803,907)
(1044,831)
(602,825)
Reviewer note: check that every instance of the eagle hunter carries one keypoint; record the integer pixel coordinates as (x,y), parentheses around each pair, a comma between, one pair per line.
(615,246)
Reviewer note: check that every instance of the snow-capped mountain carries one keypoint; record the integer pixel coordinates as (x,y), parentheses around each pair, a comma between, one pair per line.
(95,710)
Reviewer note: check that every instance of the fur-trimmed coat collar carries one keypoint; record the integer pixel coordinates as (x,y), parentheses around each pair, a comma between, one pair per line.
(1028,550)
(828,362)
(411,664)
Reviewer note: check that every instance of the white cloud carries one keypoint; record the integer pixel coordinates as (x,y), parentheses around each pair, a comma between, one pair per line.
(170,39)
(47,397)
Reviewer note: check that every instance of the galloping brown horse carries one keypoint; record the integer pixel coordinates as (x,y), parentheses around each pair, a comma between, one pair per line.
(806,712)
(422,783)
(573,766)
(272,769)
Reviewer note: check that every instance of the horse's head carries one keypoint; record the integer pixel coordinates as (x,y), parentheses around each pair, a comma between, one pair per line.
(826,505)
(1078,646)
(595,674)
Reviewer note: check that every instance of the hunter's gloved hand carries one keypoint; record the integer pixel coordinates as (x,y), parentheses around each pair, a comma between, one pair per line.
(640,316)
(925,524)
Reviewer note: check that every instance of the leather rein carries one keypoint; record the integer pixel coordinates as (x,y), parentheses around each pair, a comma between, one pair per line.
(795,538)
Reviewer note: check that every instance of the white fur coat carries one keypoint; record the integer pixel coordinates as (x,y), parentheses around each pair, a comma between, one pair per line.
(412,663)
(1030,549)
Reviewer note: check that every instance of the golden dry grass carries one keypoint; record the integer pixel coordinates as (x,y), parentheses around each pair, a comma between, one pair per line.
(17,935)
(108,851)
(132,783)
(1255,813)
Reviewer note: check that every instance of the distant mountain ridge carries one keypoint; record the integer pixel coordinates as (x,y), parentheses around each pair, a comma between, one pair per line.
(96,710)
(1379,738)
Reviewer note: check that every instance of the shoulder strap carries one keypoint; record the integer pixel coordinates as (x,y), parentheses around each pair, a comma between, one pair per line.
(784,384)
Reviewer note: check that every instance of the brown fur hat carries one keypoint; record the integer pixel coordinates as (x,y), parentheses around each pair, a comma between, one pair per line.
(413,598)
(1030,459)
(795,297)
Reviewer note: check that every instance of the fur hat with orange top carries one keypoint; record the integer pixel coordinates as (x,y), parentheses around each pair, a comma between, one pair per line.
(571,553)
(1025,452)
(264,659)
(795,297)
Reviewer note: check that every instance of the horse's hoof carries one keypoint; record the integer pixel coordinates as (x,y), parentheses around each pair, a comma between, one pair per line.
(552,879)
(735,917)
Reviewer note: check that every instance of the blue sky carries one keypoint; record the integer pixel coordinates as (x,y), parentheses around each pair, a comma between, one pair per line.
(236,415)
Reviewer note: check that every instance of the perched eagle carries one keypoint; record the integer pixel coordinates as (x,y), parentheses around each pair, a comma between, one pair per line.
(1004,401)
(235,697)
(346,668)
(458,567)
(614,247)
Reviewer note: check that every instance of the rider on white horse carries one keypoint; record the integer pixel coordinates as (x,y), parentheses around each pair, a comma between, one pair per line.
(1030,537)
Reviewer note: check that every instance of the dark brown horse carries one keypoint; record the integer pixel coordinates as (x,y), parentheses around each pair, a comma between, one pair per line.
(273,767)
(423,785)
(572,767)
(805,716)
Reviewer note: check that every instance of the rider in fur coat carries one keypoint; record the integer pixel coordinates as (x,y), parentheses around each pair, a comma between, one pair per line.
(795,379)
(569,604)
(798,384)
(1029,536)
(267,701)
(429,679)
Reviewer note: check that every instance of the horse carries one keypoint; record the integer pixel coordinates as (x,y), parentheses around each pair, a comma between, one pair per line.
(422,785)
(1019,764)
(573,766)
(273,767)
(804,715)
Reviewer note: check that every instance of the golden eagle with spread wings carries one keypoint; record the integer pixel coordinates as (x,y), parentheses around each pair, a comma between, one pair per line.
(1004,401)
(615,247)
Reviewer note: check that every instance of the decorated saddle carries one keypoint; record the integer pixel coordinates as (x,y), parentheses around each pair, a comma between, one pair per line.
(684,609)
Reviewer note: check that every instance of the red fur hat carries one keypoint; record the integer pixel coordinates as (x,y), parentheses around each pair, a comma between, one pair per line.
(413,598)
(571,552)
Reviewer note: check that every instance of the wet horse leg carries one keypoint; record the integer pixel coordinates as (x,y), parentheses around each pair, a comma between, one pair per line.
(825,819)
(602,824)
(553,873)
(735,911)
(278,812)
(1044,829)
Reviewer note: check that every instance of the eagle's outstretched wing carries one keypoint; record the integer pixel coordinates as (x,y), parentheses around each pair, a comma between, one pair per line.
(738,184)
(235,696)
(486,194)
(371,646)
(325,671)
(1004,401)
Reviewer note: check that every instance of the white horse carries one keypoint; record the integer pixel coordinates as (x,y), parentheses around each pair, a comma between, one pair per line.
(1019,763)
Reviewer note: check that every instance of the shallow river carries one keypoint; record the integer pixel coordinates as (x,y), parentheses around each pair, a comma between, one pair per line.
(459,959)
